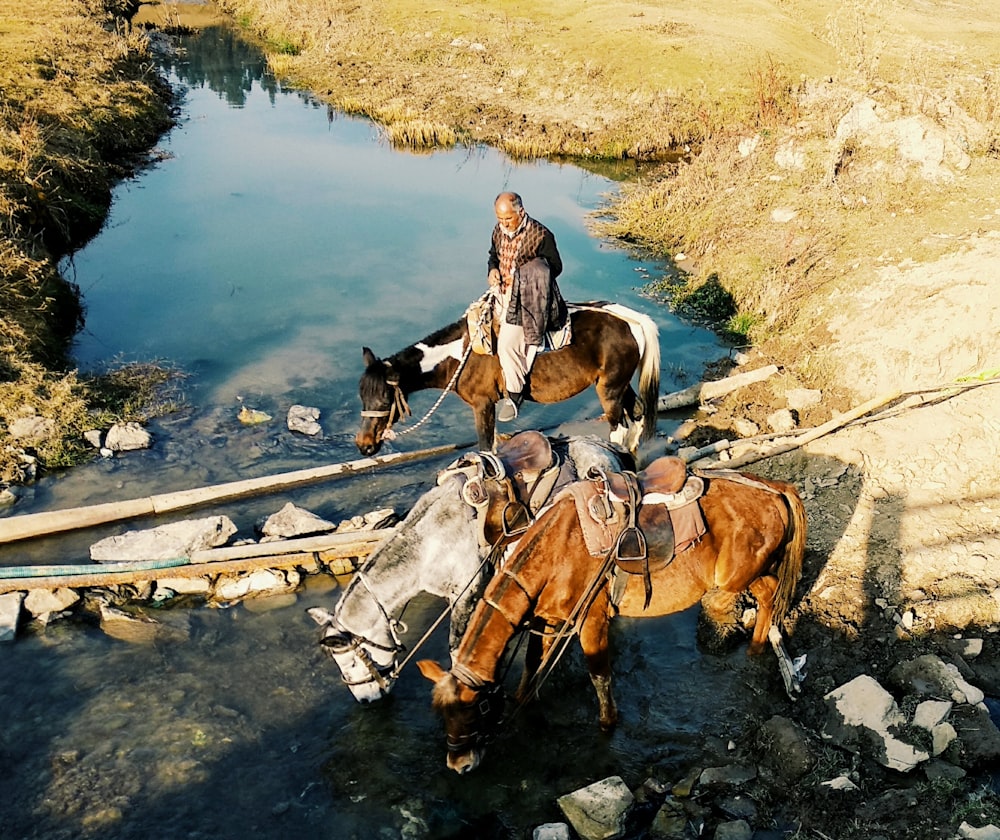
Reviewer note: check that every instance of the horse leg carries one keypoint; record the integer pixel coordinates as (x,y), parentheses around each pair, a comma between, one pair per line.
(763,589)
(594,641)
(486,416)
(535,651)
(614,399)
(717,622)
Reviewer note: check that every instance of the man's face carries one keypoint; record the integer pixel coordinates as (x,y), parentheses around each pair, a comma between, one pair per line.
(509,217)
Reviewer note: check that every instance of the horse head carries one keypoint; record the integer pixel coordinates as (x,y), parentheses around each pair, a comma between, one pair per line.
(382,403)
(472,714)
(368,668)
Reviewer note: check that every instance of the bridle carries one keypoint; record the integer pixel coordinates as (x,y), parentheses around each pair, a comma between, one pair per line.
(347,641)
(397,410)
(489,704)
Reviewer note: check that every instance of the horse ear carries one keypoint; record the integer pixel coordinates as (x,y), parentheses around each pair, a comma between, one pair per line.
(430,669)
(368,357)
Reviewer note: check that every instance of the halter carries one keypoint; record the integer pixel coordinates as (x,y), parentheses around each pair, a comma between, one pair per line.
(397,410)
(358,643)
(398,407)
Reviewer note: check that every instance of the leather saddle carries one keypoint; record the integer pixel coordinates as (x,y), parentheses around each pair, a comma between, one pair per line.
(640,520)
(508,487)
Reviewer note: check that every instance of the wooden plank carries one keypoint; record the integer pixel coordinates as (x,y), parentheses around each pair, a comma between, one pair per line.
(26,526)
(703,391)
(280,554)
(805,437)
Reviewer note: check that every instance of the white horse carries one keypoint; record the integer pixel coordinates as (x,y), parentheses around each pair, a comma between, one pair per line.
(436,549)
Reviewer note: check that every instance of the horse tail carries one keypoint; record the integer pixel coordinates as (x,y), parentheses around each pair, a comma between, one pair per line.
(649,374)
(790,568)
(647,337)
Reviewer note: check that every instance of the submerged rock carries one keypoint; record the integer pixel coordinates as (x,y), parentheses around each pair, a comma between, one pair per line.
(166,542)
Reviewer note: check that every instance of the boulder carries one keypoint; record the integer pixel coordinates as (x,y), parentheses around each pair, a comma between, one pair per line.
(165,542)
(598,811)
(863,718)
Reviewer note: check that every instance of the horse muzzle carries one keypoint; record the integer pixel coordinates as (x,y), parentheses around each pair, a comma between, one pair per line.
(367,442)
(464,762)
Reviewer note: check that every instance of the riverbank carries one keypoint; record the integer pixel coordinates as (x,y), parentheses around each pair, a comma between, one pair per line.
(82,105)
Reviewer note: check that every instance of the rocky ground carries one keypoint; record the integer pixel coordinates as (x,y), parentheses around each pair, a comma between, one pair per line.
(904,518)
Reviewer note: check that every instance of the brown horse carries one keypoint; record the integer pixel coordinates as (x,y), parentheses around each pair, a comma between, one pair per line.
(609,344)
(754,541)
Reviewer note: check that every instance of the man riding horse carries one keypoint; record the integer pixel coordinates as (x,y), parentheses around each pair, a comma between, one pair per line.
(523,265)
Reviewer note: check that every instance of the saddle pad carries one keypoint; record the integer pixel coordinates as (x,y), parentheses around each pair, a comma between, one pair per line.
(479,318)
(557,339)
(599,530)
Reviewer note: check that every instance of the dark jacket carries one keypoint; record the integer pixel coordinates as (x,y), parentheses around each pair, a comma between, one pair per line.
(536,303)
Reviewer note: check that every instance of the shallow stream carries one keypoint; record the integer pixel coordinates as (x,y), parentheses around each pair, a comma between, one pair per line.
(271,242)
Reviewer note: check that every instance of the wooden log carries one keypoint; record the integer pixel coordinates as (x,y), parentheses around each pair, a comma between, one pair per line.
(30,525)
(280,554)
(703,391)
(808,436)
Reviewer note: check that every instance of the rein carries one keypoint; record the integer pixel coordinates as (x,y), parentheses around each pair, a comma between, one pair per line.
(400,408)
(562,637)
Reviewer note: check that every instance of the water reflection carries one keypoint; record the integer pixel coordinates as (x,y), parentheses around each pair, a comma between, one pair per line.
(223,62)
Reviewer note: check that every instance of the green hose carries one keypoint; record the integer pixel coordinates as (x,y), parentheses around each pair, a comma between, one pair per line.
(90,568)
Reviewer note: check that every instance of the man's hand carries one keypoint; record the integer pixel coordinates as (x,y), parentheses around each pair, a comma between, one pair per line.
(494,277)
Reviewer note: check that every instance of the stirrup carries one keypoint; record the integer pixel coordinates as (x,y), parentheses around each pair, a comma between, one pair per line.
(507,410)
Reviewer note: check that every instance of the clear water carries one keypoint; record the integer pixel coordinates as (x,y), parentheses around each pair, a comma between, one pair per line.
(271,244)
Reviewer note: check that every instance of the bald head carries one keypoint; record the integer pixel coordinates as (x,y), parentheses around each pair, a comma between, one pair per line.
(509,211)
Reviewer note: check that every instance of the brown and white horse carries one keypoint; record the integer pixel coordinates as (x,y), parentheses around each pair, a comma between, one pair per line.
(609,344)
(755,542)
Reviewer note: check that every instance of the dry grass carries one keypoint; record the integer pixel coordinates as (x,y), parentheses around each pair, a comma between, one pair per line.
(80,102)
(560,79)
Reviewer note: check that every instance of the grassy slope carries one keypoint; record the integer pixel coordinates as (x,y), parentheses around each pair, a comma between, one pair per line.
(618,78)
(79,102)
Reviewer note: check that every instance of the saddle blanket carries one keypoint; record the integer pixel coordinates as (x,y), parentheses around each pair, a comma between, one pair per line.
(603,517)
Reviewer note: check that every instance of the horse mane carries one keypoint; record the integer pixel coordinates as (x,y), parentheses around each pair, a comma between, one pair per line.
(374,379)
(445,693)
(374,383)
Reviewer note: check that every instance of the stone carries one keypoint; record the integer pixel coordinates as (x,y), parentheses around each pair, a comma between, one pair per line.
(293,521)
(730,775)
(799,399)
(598,811)
(942,737)
(10,612)
(978,745)
(862,716)
(165,542)
(33,429)
(839,783)
(125,437)
(670,822)
(786,749)
(938,770)
(95,437)
(141,629)
(781,421)
(735,830)
(44,601)
(551,831)
(969,832)
(184,586)
(930,713)
(929,675)
(789,157)
(304,420)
